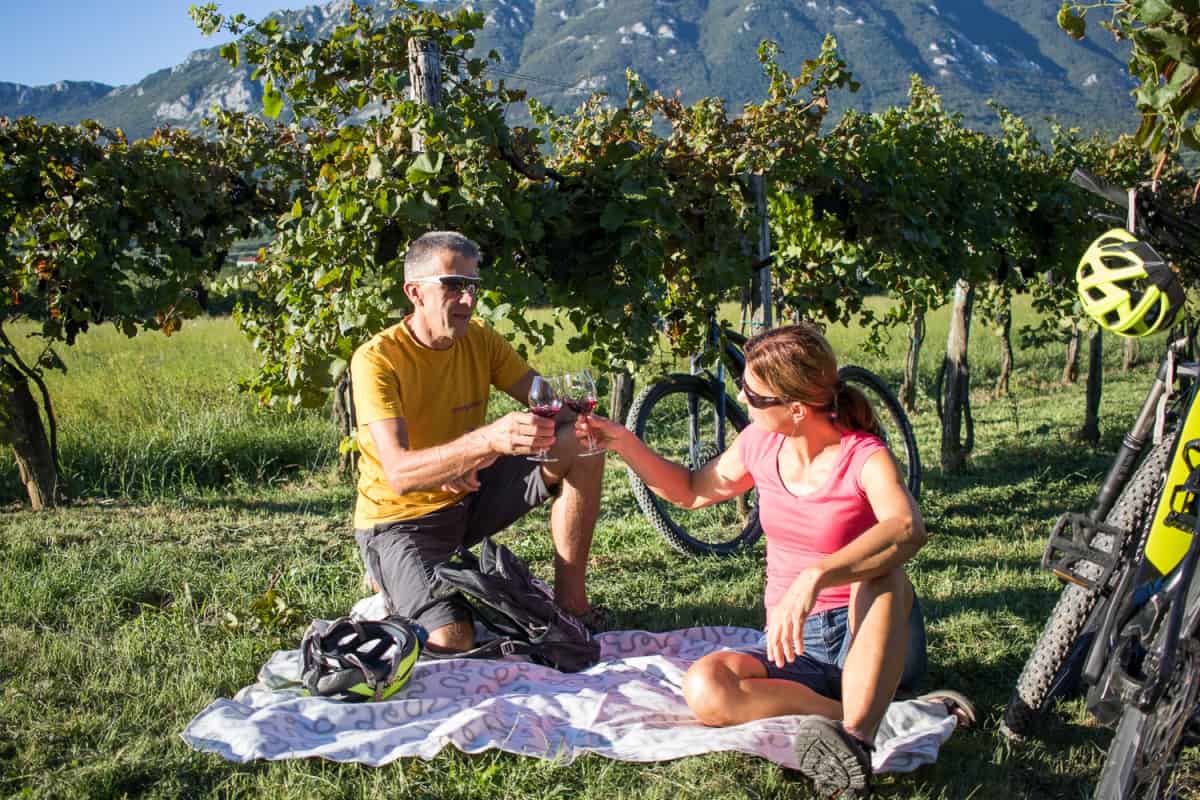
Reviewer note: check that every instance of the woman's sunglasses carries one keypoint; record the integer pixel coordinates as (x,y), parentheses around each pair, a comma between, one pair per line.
(455,285)
(760,401)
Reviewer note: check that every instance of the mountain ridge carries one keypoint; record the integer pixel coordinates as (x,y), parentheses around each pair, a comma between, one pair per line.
(559,50)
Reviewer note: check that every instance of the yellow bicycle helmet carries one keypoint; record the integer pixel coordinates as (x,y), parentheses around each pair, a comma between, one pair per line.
(1126,286)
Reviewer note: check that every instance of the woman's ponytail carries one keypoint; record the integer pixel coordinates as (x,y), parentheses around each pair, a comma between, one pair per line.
(853,410)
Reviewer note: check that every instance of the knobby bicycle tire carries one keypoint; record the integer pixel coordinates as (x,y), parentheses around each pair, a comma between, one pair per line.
(1056,659)
(1142,755)
(660,417)
(897,430)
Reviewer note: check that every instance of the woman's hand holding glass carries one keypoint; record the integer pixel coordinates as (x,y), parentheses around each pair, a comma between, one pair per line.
(602,433)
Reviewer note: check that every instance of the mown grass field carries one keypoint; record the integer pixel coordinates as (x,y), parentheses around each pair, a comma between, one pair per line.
(125,614)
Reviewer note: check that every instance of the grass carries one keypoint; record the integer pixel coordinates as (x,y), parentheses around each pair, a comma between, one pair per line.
(125,614)
(155,416)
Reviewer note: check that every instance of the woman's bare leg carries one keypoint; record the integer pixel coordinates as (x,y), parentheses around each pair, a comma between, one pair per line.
(879,611)
(729,688)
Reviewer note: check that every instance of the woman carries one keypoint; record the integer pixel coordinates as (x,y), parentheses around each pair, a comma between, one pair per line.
(843,628)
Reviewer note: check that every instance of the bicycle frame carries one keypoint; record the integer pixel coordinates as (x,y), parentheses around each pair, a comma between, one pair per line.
(1157,591)
(1134,616)
(729,348)
(1064,553)
(1155,605)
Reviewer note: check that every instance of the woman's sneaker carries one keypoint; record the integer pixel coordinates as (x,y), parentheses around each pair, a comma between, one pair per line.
(837,763)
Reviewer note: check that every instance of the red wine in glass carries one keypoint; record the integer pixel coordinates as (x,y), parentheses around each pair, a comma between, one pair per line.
(544,401)
(580,397)
(550,410)
(584,406)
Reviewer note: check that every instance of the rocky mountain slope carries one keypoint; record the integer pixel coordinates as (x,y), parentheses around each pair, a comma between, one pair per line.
(560,50)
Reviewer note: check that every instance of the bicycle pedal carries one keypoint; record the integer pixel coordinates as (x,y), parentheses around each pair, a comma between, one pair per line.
(1067,552)
(1181,521)
(1183,500)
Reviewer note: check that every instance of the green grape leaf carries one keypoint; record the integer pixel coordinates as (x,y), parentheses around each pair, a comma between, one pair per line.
(1071,21)
(272,100)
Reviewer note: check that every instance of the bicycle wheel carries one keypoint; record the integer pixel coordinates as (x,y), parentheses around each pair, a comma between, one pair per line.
(897,431)
(1142,756)
(1056,659)
(679,419)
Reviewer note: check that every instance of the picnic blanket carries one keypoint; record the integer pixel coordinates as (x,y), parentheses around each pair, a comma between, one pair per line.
(628,707)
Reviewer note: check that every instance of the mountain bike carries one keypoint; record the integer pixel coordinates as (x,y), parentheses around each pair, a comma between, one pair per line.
(691,418)
(1127,624)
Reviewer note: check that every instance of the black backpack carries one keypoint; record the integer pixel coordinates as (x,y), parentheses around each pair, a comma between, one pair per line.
(515,606)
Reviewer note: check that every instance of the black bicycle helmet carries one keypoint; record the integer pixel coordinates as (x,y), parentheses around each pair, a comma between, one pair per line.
(352,659)
(1126,286)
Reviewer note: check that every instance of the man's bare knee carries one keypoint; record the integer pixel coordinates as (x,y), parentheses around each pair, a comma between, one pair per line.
(453,638)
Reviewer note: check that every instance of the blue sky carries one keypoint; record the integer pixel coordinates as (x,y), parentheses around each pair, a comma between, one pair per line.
(110,41)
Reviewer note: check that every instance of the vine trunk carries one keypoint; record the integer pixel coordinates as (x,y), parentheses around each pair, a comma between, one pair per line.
(1004,318)
(1130,354)
(1071,367)
(621,396)
(343,421)
(21,427)
(916,337)
(954,450)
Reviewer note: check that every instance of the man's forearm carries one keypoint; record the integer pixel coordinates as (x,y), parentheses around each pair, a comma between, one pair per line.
(430,468)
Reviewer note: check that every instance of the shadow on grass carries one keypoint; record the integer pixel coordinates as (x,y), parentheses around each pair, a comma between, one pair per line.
(928,564)
(689,615)
(330,503)
(206,780)
(1017,462)
(1031,605)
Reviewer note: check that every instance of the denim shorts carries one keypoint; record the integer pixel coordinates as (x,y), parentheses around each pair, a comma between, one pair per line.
(827,642)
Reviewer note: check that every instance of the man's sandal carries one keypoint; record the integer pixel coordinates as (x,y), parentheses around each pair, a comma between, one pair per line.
(956,703)
(837,763)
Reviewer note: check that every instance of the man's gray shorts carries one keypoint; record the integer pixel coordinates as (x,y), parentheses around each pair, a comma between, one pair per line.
(400,556)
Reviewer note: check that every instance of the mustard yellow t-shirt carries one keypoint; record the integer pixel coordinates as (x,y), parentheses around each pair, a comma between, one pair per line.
(440,394)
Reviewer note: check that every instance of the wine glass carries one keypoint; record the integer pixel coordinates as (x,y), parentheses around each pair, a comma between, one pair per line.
(580,397)
(544,401)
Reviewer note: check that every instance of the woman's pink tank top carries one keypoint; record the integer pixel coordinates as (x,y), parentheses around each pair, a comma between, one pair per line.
(802,529)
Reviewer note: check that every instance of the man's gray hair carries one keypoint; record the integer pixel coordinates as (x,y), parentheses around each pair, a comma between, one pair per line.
(420,261)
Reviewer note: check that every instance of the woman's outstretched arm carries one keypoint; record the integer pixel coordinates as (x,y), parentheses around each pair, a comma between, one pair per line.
(720,479)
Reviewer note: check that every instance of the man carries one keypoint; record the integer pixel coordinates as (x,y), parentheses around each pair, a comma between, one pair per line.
(432,475)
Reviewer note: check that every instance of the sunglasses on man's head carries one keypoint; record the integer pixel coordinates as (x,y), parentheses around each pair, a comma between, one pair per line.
(760,401)
(453,284)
